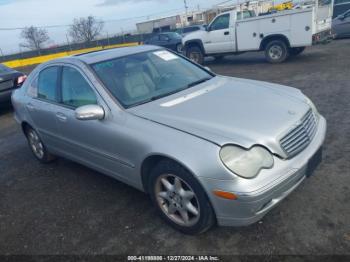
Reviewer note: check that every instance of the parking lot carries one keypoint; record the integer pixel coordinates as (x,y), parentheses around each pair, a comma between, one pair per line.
(65,208)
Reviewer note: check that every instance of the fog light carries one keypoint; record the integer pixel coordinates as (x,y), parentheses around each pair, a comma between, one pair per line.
(225,195)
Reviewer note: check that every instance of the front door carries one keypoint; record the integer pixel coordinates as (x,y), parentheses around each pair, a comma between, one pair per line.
(220,36)
(91,142)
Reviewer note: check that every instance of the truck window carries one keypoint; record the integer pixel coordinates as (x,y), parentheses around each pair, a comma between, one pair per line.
(324,2)
(245,14)
(221,22)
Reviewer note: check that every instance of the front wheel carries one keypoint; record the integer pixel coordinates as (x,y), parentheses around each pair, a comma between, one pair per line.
(296,51)
(180,199)
(179,48)
(276,52)
(195,54)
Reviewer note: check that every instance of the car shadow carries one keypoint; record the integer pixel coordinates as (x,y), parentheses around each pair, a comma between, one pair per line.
(258,58)
(5,108)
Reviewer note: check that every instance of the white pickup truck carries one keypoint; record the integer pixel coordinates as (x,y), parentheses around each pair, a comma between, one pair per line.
(280,34)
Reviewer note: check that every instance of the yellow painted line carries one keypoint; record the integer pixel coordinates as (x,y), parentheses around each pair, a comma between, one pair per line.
(45,58)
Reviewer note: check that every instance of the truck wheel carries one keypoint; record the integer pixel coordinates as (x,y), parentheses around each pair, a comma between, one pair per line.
(195,54)
(276,51)
(296,50)
(180,199)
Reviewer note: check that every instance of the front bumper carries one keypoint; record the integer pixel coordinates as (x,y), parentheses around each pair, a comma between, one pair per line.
(251,206)
(323,37)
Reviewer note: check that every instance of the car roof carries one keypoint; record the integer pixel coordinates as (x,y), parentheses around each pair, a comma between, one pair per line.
(108,54)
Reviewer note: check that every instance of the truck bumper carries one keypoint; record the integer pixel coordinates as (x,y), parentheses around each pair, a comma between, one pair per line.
(323,37)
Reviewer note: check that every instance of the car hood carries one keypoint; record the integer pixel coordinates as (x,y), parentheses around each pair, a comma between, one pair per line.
(231,111)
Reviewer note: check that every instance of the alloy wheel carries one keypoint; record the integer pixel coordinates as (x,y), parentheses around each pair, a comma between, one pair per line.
(177,200)
(36,144)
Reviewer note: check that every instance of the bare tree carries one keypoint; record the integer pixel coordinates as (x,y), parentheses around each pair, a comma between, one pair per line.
(34,38)
(85,29)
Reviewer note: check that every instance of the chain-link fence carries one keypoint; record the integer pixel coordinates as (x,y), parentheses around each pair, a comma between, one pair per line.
(122,39)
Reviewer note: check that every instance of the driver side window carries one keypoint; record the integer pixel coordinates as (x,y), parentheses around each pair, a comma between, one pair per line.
(76,91)
(221,22)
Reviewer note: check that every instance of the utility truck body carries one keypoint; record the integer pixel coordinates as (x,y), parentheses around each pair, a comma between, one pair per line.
(279,34)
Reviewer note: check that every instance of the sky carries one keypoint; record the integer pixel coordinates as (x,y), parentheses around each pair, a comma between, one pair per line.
(23,13)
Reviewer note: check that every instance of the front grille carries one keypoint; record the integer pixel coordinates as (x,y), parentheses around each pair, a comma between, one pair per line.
(300,137)
(6,85)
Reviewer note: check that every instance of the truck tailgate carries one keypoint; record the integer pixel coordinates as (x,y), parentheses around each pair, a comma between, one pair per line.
(323,17)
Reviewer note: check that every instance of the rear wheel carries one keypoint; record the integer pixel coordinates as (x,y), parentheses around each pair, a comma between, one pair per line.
(180,199)
(37,146)
(195,54)
(296,50)
(276,51)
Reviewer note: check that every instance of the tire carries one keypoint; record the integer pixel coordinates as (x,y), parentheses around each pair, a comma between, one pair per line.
(37,146)
(195,54)
(179,48)
(296,51)
(173,200)
(276,51)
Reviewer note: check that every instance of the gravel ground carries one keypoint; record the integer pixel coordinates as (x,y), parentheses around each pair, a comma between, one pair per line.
(65,208)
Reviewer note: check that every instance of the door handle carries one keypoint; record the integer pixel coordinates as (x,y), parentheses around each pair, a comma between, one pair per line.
(227,33)
(30,107)
(61,117)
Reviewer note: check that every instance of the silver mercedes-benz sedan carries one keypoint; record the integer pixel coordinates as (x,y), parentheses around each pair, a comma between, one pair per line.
(206,148)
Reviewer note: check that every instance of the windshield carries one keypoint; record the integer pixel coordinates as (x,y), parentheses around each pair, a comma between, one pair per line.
(175,35)
(144,77)
(4,69)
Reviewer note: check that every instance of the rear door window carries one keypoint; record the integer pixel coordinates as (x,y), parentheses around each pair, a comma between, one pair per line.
(47,83)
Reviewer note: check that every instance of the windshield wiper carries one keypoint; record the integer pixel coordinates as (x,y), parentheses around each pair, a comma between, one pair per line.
(198,82)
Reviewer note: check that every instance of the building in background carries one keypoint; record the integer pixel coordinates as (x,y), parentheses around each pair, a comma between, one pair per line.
(199,17)
(164,24)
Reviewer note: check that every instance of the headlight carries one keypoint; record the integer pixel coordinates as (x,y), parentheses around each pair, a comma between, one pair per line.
(246,163)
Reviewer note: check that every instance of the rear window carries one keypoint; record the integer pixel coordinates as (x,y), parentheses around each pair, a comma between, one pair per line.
(190,29)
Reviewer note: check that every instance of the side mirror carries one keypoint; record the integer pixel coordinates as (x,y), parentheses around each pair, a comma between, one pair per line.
(341,17)
(89,112)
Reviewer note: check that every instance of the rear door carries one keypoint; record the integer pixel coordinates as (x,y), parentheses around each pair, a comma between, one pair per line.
(164,40)
(220,35)
(42,106)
